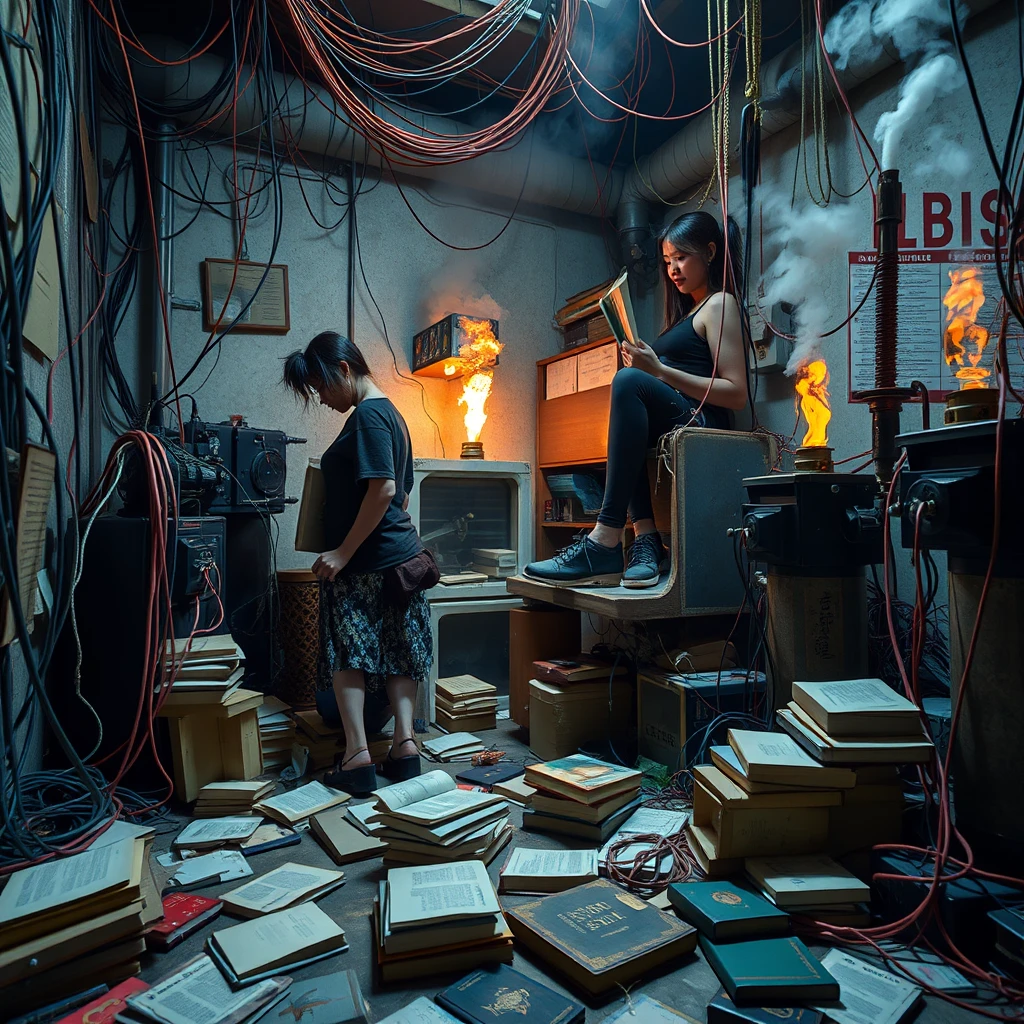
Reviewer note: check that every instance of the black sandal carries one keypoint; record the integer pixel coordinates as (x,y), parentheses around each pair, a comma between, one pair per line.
(398,769)
(354,781)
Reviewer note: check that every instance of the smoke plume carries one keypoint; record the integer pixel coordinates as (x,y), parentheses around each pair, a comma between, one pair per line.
(944,155)
(455,290)
(807,239)
(861,27)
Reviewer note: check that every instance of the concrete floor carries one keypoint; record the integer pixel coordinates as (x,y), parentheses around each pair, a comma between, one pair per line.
(687,988)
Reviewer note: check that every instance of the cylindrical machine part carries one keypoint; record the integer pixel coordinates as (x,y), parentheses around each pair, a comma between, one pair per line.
(817,628)
(988,753)
(299,635)
(885,426)
(472,450)
(971,405)
(165,148)
(813,459)
(889,216)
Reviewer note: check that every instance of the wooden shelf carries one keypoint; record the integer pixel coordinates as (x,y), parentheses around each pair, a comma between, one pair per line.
(575,526)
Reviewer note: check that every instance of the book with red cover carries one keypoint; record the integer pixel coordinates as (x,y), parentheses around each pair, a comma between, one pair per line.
(575,670)
(184,912)
(104,1009)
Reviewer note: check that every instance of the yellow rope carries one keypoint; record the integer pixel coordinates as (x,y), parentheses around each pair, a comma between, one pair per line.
(752,48)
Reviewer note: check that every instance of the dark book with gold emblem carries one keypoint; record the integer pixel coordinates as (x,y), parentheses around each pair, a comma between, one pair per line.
(485,995)
(723,911)
(599,935)
(722,1010)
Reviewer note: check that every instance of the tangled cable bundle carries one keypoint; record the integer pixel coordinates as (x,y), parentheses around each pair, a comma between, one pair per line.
(644,873)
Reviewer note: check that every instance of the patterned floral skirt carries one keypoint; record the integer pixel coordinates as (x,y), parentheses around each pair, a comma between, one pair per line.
(360,630)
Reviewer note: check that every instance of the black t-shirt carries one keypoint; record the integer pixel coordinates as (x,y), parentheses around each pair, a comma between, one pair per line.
(373,445)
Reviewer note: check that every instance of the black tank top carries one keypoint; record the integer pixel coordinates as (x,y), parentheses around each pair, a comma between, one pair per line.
(682,348)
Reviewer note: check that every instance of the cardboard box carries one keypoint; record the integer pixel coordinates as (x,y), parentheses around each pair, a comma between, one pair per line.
(309,532)
(536,634)
(671,708)
(562,718)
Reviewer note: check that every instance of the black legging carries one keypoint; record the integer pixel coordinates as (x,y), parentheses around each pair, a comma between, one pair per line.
(642,409)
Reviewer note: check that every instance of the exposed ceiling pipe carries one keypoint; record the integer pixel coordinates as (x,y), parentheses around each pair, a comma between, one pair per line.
(552,178)
(688,158)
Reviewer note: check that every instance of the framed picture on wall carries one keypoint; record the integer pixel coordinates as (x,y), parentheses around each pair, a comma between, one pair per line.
(255,293)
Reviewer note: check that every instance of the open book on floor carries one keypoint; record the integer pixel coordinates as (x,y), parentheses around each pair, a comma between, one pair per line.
(285,886)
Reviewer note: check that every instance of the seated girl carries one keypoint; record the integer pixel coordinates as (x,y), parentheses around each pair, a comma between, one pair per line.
(691,376)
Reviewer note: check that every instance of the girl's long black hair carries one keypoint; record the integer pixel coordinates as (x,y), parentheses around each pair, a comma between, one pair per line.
(319,364)
(695,233)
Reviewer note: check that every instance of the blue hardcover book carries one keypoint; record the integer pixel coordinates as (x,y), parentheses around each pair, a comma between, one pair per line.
(723,911)
(722,1010)
(484,995)
(769,971)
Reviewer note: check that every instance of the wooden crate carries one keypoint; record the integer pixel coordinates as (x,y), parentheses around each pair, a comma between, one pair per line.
(536,634)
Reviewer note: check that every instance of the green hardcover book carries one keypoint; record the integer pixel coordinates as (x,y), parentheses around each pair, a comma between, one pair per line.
(769,971)
(723,911)
(599,935)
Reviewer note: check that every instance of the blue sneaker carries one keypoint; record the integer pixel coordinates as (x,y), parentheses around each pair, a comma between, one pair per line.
(582,564)
(646,558)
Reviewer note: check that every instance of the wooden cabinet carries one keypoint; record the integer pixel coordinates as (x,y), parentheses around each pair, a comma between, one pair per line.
(536,634)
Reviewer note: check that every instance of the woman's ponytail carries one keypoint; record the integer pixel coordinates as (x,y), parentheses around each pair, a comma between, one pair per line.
(320,364)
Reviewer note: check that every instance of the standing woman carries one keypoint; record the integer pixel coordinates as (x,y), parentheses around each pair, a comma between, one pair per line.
(374,618)
(693,374)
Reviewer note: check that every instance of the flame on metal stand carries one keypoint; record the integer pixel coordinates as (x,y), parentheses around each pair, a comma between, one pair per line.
(478,355)
(812,387)
(964,340)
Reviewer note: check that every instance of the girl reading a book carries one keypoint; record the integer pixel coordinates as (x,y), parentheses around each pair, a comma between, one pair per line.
(692,375)
(374,619)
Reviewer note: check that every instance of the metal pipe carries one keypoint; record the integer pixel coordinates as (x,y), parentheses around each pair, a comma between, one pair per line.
(163,264)
(888,219)
(352,251)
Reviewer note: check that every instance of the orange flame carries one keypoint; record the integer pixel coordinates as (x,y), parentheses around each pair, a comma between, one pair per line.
(477,354)
(963,302)
(812,387)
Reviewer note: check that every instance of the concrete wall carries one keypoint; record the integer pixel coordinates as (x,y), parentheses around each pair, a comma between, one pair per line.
(539,260)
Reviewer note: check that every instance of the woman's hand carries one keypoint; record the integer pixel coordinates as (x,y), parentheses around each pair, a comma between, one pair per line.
(329,564)
(642,357)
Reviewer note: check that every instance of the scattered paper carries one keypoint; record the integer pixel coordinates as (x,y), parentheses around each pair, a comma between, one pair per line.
(219,866)
(867,994)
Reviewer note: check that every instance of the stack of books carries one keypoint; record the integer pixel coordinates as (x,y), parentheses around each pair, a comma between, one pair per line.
(580,796)
(746,942)
(223,799)
(867,725)
(326,743)
(275,944)
(277,732)
(429,820)
(494,563)
(343,837)
(465,703)
(453,746)
(323,742)
(436,919)
(812,886)
(534,872)
(74,922)
(204,666)
(762,795)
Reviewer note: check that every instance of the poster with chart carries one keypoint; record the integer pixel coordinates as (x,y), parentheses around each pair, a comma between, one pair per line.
(924,280)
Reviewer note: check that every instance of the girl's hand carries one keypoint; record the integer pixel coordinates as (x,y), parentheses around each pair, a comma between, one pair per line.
(641,356)
(329,564)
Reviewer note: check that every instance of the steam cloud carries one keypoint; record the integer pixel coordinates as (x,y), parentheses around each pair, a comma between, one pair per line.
(808,238)
(858,30)
(454,290)
(944,155)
